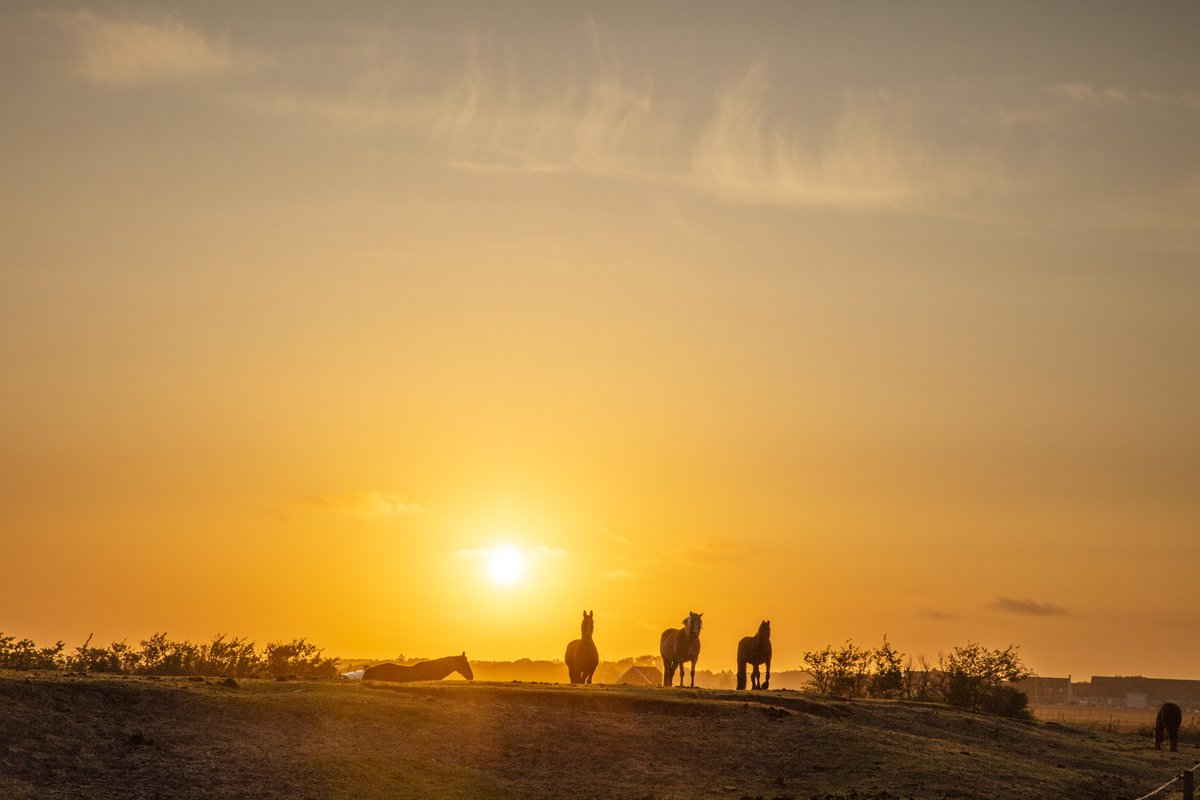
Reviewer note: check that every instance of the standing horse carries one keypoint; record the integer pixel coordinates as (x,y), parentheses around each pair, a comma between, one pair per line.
(582,657)
(677,645)
(425,671)
(755,650)
(1169,718)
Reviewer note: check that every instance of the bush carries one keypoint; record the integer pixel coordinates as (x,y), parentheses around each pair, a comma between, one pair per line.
(975,677)
(887,678)
(224,656)
(844,672)
(24,654)
(299,658)
(971,676)
(852,671)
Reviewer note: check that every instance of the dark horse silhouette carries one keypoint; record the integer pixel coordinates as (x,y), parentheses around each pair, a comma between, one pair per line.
(582,657)
(755,650)
(433,670)
(677,645)
(1169,718)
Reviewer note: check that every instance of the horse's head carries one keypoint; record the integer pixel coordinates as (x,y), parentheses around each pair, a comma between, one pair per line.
(764,629)
(463,667)
(693,623)
(588,625)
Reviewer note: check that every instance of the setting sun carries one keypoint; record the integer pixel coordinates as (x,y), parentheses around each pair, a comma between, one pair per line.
(506,566)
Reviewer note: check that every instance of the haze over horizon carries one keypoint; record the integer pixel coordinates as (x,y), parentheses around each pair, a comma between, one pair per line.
(418,329)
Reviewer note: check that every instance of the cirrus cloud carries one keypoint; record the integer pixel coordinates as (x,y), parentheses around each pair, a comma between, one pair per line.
(128,52)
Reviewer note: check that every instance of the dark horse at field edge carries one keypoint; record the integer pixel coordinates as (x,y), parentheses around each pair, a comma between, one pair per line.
(582,656)
(755,650)
(1169,718)
(433,670)
(677,645)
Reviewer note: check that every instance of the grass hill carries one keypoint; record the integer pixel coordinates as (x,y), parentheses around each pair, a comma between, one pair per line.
(64,736)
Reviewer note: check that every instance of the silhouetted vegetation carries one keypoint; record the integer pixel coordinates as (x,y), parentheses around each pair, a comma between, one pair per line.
(970,676)
(224,656)
(24,654)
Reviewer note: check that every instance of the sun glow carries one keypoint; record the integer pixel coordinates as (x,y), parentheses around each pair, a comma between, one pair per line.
(506,566)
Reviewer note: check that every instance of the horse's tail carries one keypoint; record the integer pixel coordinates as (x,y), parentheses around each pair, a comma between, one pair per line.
(741,684)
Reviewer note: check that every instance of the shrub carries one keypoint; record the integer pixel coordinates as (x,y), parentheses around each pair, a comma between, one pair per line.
(971,676)
(24,654)
(299,658)
(852,671)
(975,677)
(887,678)
(843,672)
(96,659)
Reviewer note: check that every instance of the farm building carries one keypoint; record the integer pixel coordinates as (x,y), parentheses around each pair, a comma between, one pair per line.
(1136,692)
(641,676)
(1046,691)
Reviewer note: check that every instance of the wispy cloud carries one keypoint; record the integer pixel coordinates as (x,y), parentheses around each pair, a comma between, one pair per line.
(619,575)
(490,118)
(1083,92)
(874,153)
(123,52)
(619,538)
(935,614)
(1111,95)
(707,552)
(370,505)
(1027,607)
(931,150)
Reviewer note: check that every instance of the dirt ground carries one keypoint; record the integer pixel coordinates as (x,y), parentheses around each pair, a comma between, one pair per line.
(94,737)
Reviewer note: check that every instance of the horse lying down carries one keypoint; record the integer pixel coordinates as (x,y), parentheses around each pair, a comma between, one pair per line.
(433,670)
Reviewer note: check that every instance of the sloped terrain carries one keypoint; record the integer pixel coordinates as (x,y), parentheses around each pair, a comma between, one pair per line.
(74,736)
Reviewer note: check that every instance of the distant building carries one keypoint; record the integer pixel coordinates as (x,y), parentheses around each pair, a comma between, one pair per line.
(1137,692)
(641,676)
(1046,691)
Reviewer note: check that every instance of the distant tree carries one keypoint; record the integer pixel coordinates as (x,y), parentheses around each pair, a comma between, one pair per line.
(25,655)
(228,657)
(919,681)
(161,656)
(887,671)
(299,658)
(979,678)
(93,659)
(844,672)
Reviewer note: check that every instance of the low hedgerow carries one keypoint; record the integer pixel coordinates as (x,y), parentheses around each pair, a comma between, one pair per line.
(224,656)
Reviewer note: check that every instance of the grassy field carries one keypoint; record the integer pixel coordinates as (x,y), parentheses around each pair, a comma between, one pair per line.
(93,737)
(1115,720)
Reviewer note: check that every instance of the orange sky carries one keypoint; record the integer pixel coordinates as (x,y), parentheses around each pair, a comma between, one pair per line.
(868,320)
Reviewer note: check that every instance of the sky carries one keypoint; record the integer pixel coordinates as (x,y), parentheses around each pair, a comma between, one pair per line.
(868,319)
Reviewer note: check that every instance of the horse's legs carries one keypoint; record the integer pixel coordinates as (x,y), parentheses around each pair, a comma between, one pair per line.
(693,683)
(754,677)
(767,682)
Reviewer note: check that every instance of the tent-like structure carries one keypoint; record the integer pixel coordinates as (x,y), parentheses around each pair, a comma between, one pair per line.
(641,676)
